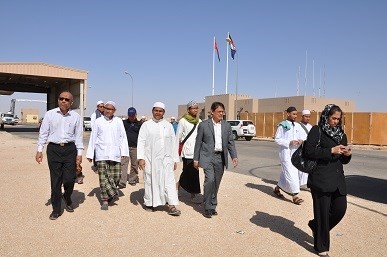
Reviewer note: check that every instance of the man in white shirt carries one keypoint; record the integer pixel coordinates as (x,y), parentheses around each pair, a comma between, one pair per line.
(305,121)
(97,113)
(157,156)
(109,144)
(289,137)
(62,129)
(306,128)
(186,132)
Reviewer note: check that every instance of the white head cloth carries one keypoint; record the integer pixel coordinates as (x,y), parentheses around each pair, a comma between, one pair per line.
(112,103)
(159,105)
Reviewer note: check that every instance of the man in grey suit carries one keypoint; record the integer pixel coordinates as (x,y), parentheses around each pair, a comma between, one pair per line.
(213,140)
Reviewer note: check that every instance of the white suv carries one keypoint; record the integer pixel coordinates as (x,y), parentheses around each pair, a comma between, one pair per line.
(86,123)
(242,128)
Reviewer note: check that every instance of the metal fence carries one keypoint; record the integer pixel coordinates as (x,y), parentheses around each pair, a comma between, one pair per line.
(363,128)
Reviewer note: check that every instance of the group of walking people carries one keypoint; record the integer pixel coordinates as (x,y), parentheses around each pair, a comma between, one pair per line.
(154,147)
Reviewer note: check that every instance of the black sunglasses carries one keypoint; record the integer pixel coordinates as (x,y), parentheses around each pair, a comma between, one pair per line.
(64,98)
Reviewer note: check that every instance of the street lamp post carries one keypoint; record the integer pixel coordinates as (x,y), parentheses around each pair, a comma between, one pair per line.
(127,73)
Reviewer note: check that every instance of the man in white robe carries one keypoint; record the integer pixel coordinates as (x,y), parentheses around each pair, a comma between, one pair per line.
(109,144)
(157,156)
(289,137)
(305,130)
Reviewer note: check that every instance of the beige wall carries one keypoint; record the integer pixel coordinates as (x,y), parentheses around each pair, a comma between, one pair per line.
(317,104)
(29,115)
(233,104)
(31,118)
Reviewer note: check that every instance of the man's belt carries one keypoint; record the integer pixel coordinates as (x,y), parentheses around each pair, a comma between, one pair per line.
(218,152)
(63,144)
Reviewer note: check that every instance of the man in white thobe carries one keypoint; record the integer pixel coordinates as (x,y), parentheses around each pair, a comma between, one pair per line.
(305,130)
(289,137)
(157,156)
(109,144)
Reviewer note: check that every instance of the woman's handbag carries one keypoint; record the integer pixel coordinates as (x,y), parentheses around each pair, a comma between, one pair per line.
(181,144)
(300,162)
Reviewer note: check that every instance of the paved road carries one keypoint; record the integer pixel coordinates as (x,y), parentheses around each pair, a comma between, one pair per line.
(366,173)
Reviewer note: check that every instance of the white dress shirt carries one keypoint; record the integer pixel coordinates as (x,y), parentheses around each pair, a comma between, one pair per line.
(218,136)
(60,128)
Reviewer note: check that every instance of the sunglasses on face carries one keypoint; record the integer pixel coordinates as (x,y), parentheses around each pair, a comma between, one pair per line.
(64,98)
(109,109)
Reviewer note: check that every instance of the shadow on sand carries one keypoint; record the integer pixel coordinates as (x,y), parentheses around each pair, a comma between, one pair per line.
(97,193)
(267,190)
(77,198)
(285,228)
(368,188)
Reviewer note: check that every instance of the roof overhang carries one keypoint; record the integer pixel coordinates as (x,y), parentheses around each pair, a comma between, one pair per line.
(36,77)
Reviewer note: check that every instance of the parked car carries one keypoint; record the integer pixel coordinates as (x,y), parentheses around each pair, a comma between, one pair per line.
(242,128)
(17,120)
(8,118)
(87,123)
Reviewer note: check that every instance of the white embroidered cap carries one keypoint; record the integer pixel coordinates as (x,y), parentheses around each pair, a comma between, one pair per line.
(305,112)
(112,103)
(159,105)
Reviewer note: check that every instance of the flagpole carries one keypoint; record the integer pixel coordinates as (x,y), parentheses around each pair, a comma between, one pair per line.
(236,88)
(213,68)
(227,64)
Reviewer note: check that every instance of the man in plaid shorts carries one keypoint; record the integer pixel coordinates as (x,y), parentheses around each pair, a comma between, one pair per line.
(109,143)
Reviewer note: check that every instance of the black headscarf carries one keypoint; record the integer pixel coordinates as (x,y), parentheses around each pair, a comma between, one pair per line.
(336,133)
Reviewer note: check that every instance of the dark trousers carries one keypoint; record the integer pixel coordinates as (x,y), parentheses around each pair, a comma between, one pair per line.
(328,210)
(213,175)
(189,178)
(62,164)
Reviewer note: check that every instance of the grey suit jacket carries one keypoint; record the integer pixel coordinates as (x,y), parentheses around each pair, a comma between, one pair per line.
(205,143)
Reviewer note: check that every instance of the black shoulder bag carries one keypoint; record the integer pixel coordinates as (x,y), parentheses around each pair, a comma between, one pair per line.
(300,162)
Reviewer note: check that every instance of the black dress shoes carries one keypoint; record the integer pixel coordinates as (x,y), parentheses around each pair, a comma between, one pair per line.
(54,216)
(68,205)
(214,212)
(207,214)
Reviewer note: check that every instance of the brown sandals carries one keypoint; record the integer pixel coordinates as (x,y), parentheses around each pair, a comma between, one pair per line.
(277,192)
(173,211)
(297,200)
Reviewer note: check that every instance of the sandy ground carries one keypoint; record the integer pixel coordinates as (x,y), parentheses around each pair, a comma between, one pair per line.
(251,221)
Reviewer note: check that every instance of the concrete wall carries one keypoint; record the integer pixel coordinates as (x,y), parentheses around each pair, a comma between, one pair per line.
(317,104)
(233,104)
(29,115)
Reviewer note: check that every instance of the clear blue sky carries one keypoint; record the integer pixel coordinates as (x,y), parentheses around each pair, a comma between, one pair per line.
(167,47)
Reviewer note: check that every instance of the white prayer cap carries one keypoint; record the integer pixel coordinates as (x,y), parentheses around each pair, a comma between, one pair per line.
(173,118)
(305,112)
(191,103)
(99,102)
(159,105)
(112,103)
